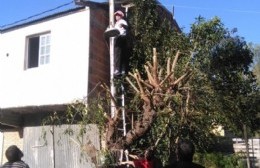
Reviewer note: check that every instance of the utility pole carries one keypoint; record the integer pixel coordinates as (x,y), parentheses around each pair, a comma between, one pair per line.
(247,148)
(111,53)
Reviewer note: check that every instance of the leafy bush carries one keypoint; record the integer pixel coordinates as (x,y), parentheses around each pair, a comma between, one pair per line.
(219,160)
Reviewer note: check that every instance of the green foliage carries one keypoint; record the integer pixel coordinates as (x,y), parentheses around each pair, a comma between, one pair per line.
(256,65)
(219,160)
(144,23)
(222,65)
(81,114)
(222,88)
(234,82)
(108,159)
(149,31)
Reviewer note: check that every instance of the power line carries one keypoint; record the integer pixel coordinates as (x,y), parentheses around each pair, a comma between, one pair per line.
(202,8)
(36,15)
(44,12)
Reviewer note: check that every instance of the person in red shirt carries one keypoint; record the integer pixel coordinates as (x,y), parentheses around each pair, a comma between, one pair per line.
(146,161)
(143,163)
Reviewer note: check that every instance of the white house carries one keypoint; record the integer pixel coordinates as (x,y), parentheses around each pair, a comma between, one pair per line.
(46,64)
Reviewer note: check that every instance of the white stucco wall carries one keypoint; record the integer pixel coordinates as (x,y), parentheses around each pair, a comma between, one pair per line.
(61,81)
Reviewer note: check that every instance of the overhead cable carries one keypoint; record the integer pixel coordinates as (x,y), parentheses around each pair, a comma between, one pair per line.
(36,15)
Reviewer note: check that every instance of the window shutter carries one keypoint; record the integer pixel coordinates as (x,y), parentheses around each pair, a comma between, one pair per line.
(44,49)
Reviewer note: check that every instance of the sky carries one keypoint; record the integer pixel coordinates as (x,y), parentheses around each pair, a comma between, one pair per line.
(241,14)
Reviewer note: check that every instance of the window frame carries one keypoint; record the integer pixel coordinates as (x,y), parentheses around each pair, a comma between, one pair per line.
(46,54)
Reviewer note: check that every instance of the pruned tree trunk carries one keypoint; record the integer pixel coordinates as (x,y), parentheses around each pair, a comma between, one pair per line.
(152,92)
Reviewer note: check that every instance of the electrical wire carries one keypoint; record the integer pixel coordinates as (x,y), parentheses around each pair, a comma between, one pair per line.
(202,8)
(39,14)
(36,15)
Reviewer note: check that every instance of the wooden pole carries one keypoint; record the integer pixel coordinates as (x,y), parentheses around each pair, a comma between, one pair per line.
(111,47)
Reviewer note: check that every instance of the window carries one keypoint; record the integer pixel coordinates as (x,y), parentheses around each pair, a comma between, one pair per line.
(38,50)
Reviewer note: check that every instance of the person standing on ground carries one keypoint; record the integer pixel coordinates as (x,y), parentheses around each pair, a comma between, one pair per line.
(185,151)
(14,155)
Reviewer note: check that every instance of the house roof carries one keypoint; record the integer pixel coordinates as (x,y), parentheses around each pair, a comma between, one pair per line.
(28,22)
(82,4)
(37,19)
(13,117)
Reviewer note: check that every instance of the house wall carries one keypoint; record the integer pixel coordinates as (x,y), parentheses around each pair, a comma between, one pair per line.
(61,81)
(79,60)
(99,69)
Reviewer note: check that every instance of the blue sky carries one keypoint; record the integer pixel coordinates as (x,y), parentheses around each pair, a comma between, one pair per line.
(241,14)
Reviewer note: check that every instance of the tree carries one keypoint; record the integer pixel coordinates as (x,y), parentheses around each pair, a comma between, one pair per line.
(225,60)
(256,66)
(183,89)
(149,30)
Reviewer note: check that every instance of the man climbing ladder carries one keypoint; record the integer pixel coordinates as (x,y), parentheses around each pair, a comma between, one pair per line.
(121,48)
